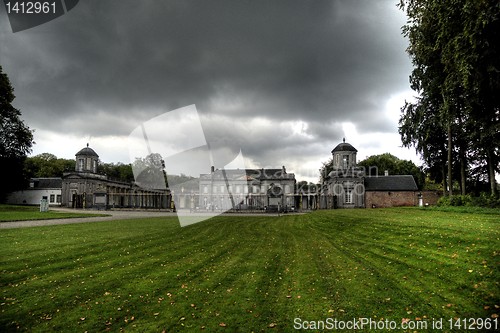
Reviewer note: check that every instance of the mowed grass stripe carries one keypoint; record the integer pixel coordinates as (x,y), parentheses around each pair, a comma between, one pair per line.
(249,273)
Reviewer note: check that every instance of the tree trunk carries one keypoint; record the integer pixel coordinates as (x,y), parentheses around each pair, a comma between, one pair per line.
(450,165)
(443,172)
(463,164)
(462,158)
(491,171)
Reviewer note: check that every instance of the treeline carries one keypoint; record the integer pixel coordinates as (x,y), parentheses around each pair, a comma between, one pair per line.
(49,165)
(455,121)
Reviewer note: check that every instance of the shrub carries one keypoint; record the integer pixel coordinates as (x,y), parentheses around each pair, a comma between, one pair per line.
(483,200)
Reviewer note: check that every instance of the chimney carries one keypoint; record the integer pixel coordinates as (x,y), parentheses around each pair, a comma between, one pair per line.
(212,169)
(386,173)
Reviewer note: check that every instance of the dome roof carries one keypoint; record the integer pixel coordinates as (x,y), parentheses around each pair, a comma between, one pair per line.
(344,147)
(87,152)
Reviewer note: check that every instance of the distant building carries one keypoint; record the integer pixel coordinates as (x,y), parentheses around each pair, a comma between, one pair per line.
(254,189)
(348,186)
(39,188)
(391,191)
(85,188)
(344,185)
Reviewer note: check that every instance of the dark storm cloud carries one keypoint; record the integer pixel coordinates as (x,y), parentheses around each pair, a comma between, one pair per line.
(107,66)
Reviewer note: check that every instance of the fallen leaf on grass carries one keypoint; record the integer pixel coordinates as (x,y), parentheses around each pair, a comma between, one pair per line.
(271,325)
(222,325)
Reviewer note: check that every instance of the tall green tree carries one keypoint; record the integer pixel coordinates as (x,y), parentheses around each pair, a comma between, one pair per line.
(47,165)
(455,53)
(378,164)
(16,139)
(119,171)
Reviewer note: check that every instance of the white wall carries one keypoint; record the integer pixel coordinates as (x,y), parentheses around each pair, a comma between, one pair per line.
(33,197)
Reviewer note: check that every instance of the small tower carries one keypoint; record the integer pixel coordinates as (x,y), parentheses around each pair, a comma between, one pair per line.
(86,160)
(344,156)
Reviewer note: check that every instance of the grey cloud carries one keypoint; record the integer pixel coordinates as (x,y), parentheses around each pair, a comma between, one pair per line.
(105,67)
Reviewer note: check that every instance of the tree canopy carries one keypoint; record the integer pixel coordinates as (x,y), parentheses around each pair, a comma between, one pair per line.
(393,165)
(455,121)
(16,139)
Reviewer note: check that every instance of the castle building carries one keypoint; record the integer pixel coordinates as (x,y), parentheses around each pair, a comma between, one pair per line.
(254,189)
(348,186)
(344,186)
(86,188)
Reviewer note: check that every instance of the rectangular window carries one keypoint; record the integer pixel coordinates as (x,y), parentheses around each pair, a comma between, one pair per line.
(205,189)
(81,163)
(52,198)
(214,189)
(58,198)
(222,189)
(346,161)
(348,195)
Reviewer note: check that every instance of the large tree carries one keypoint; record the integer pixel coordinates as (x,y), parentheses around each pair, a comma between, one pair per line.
(378,164)
(16,139)
(47,165)
(456,58)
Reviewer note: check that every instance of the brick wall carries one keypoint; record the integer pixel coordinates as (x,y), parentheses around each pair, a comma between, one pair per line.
(390,199)
(431,197)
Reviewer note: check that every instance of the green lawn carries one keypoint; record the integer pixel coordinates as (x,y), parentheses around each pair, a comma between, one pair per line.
(24,213)
(256,273)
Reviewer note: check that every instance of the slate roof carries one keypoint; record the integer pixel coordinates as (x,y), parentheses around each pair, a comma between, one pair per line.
(391,183)
(344,147)
(47,183)
(87,152)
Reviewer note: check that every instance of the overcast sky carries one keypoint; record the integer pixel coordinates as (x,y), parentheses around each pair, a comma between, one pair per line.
(284,81)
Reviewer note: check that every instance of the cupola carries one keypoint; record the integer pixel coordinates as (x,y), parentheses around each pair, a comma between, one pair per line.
(344,156)
(86,160)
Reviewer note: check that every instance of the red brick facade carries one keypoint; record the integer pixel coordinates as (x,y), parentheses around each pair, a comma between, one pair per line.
(379,199)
